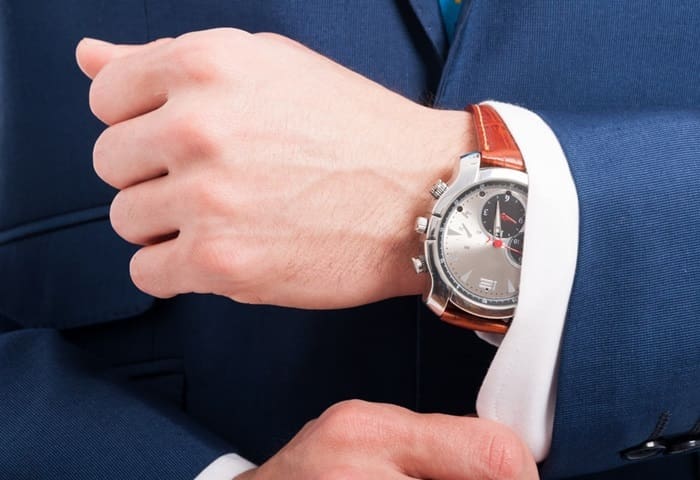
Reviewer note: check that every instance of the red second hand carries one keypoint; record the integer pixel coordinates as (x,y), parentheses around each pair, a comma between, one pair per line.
(505,216)
(498,243)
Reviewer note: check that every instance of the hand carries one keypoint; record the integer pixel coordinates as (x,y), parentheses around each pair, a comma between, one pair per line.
(508,218)
(252,167)
(497,221)
(363,441)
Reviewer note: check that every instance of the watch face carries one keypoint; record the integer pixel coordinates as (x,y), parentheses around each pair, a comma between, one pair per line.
(480,243)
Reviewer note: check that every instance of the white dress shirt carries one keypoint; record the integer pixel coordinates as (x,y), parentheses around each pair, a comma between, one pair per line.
(520,387)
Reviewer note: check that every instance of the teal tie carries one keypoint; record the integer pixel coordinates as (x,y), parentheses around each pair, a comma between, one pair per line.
(450,14)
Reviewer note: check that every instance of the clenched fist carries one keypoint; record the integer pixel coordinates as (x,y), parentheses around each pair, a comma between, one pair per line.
(252,167)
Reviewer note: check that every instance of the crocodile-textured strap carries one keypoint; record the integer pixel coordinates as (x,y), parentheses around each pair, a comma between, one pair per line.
(498,149)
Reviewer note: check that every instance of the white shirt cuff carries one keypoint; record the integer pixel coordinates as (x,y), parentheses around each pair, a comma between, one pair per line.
(520,387)
(226,467)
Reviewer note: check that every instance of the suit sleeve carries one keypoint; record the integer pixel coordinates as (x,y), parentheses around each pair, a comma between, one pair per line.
(60,417)
(630,354)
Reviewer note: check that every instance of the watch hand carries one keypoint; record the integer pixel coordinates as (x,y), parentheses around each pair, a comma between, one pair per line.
(497,220)
(513,249)
(508,218)
(498,243)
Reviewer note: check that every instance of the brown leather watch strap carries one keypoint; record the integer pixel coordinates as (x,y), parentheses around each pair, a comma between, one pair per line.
(498,149)
(458,317)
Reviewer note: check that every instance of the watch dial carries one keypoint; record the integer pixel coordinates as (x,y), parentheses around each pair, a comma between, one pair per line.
(480,243)
(503,215)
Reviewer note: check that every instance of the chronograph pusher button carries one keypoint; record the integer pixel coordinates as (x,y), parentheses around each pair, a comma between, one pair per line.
(419,264)
(421,225)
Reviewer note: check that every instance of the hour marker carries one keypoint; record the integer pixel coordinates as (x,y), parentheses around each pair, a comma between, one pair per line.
(487,284)
(511,288)
(465,277)
(461,230)
(463,227)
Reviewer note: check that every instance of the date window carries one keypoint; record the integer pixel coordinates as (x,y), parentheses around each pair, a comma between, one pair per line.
(487,284)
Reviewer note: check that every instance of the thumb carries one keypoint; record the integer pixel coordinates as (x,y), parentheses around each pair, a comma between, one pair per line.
(457,448)
(92,54)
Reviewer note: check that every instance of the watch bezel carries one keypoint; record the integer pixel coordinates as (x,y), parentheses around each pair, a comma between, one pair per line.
(442,291)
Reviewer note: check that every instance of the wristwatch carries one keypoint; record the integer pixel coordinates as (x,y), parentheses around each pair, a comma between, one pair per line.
(474,236)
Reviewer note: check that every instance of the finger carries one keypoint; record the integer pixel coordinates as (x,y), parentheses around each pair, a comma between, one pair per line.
(458,448)
(133,151)
(156,269)
(147,212)
(131,83)
(92,54)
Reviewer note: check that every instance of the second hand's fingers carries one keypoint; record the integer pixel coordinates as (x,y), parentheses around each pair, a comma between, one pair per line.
(457,448)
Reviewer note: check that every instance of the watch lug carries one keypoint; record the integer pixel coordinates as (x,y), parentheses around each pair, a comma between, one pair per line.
(437,297)
(468,172)
(436,301)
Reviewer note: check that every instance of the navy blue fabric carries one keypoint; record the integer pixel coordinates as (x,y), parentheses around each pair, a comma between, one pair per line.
(596,55)
(55,425)
(118,385)
(630,352)
(61,258)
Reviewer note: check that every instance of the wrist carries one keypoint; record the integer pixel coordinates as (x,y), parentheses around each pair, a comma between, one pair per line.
(438,139)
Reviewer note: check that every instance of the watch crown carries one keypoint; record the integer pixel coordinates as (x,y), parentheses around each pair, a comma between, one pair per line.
(421,225)
(419,264)
(438,189)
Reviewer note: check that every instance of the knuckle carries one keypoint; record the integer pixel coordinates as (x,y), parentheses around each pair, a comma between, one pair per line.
(345,420)
(196,58)
(345,410)
(308,426)
(195,135)
(502,455)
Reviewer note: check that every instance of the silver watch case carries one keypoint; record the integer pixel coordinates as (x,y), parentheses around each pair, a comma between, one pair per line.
(467,174)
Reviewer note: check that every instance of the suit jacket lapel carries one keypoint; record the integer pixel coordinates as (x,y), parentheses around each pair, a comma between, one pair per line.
(428,14)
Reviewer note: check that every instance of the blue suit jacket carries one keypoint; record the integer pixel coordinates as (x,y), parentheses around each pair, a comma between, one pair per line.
(98,380)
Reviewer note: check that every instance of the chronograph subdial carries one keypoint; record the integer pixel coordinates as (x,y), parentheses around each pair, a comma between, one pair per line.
(515,248)
(503,215)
